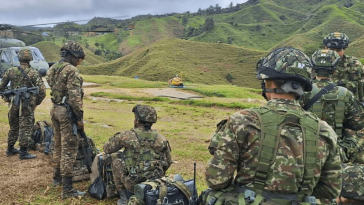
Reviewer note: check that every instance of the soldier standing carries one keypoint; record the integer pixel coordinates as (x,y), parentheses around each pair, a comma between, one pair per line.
(349,72)
(334,104)
(21,118)
(133,165)
(281,154)
(66,85)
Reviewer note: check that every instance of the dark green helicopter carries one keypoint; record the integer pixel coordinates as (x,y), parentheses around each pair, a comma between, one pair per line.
(9,48)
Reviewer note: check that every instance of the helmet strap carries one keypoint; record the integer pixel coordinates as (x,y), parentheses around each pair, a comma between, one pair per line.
(264,90)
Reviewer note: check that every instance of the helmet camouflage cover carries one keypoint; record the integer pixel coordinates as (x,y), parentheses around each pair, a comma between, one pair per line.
(325,59)
(74,48)
(336,40)
(25,54)
(145,113)
(287,64)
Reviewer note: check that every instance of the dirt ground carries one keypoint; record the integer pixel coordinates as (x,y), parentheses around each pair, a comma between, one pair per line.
(22,181)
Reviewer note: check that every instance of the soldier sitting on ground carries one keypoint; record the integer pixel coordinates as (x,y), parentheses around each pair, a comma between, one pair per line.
(21,117)
(280,153)
(145,155)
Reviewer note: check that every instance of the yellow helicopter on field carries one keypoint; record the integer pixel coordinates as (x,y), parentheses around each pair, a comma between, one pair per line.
(176,81)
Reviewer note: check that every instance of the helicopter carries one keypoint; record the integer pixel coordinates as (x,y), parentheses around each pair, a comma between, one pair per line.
(9,48)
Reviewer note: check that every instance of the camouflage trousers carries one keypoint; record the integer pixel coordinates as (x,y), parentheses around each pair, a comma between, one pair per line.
(21,121)
(353,181)
(121,181)
(65,143)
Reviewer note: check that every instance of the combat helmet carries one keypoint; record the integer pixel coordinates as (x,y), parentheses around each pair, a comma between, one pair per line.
(336,40)
(25,55)
(74,48)
(145,113)
(287,64)
(324,62)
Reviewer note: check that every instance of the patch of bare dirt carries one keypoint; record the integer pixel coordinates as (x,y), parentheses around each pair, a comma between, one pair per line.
(23,177)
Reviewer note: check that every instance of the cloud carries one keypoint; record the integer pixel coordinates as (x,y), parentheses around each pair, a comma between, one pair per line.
(30,12)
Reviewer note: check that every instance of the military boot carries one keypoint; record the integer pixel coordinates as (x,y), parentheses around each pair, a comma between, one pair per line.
(68,190)
(123,198)
(24,154)
(12,151)
(57,178)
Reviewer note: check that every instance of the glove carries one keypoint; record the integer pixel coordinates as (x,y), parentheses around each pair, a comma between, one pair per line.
(80,125)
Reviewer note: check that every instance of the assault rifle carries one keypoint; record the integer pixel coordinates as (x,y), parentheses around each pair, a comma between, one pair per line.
(20,93)
(194,197)
(87,151)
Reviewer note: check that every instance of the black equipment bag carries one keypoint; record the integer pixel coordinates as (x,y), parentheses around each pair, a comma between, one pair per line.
(97,188)
(173,196)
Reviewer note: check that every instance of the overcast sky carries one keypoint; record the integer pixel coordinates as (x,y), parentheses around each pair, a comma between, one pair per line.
(30,12)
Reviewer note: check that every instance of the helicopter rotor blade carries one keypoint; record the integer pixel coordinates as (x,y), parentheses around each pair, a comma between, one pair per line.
(72,21)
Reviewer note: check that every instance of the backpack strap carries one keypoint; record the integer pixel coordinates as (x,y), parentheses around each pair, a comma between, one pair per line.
(310,139)
(267,149)
(318,96)
(340,111)
(24,73)
(269,145)
(162,189)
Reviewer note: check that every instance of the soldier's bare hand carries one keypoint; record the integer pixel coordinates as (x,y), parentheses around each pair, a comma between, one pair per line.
(80,125)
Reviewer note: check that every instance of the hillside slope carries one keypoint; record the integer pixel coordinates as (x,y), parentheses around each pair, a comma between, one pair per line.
(207,63)
(51,53)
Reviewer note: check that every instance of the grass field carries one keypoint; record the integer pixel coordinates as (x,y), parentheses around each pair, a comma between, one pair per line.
(187,127)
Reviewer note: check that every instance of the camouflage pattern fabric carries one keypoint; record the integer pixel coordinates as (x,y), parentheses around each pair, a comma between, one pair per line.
(21,125)
(353,184)
(65,143)
(25,54)
(349,73)
(286,64)
(75,48)
(353,118)
(145,113)
(129,141)
(65,81)
(235,146)
(336,40)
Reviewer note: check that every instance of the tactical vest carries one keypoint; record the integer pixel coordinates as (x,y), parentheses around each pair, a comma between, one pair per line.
(18,80)
(271,124)
(143,161)
(338,100)
(56,82)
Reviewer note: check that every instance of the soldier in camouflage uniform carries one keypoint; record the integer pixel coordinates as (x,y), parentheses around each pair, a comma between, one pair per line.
(66,85)
(350,71)
(146,154)
(21,118)
(338,106)
(282,155)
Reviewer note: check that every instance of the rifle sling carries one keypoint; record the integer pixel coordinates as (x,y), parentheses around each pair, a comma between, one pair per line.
(25,75)
(318,95)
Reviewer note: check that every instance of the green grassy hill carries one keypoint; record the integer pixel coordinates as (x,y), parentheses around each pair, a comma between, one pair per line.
(51,53)
(152,49)
(208,63)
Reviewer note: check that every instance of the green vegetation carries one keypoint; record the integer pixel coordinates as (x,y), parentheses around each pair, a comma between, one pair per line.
(200,62)
(200,103)
(51,53)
